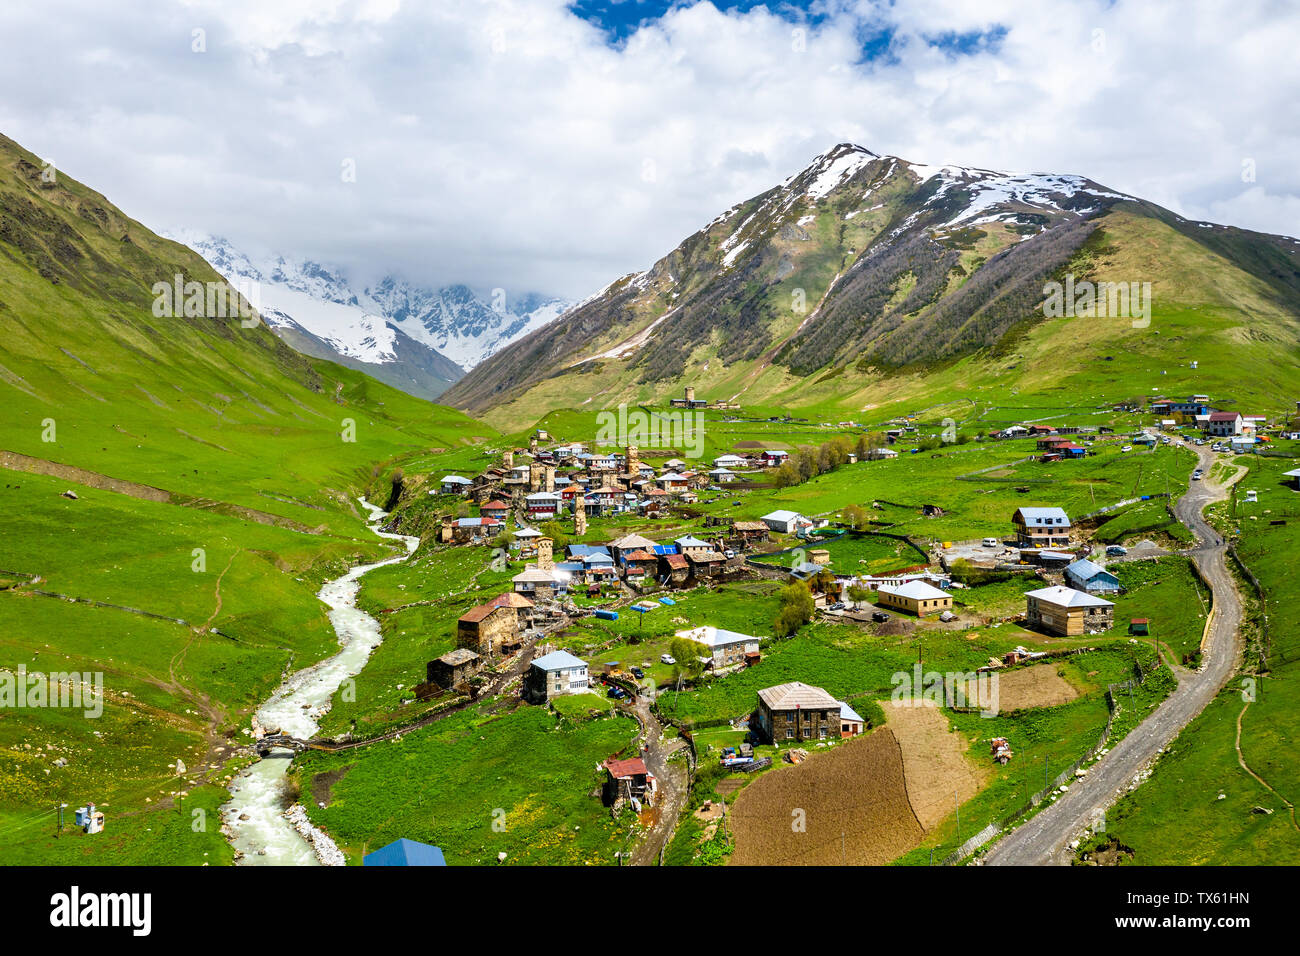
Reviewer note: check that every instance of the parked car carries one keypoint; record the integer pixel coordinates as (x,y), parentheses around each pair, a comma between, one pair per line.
(617,692)
(991,542)
(837,606)
(1115,550)
(879,616)
(1196,476)
(1127,448)
(667,659)
(638,673)
(728,554)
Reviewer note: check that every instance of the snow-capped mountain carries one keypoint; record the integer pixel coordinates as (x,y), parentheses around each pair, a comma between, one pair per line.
(857,266)
(417,339)
(455,322)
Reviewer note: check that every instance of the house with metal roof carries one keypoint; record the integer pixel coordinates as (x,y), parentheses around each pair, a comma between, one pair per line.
(915,597)
(554,675)
(1085,575)
(797,711)
(455,484)
(786,522)
(689,543)
(1041,527)
(725,647)
(1067,612)
(628,780)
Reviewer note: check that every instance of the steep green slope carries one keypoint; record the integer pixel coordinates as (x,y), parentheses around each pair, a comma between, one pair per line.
(215,472)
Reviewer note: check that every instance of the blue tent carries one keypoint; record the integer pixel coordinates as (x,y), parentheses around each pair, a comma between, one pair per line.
(405,852)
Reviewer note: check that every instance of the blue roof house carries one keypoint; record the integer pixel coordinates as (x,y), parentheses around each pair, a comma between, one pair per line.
(405,852)
(1084,575)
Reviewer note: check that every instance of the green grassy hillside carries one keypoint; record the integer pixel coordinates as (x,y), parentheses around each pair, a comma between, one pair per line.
(215,473)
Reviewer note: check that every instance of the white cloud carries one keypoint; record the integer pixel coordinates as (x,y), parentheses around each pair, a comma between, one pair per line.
(508,144)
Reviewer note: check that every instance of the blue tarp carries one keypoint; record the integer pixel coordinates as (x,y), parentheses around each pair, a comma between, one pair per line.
(669,601)
(607,615)
(405,852)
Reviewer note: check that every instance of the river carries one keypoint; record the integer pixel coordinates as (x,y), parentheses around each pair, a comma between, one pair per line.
(269,837)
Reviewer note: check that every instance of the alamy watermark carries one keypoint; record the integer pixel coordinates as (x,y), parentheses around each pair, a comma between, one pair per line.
(682,430)
(952,689)
(208,300)
(1100,300)
(65,689)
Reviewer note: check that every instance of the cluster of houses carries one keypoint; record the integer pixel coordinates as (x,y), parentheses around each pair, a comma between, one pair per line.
(567,479)
(634,560)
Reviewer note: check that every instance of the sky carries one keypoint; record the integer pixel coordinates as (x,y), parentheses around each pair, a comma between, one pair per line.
(548,146)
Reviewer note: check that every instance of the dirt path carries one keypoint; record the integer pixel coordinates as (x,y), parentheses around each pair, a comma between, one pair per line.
(1044,838)
(673,779)
(13,461)
(1241,759)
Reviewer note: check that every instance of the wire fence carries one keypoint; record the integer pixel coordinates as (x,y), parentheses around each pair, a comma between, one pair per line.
(1010,820)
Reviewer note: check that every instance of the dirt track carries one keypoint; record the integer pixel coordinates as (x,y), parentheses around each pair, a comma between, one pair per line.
(1044,839)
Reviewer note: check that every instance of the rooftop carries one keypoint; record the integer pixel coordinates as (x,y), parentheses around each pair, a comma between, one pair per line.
(915,591)
(1068,597)
(558,660)
(797,694)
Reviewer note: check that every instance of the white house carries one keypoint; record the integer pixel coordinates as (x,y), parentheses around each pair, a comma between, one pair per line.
(1223,424)
(554,675)
(728,461)
(786,522)
(727,647)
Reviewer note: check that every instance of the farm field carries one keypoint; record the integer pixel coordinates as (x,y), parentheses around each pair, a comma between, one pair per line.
(936,769)
(848,805)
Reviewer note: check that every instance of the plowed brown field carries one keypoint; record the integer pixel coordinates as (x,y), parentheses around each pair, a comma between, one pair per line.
(852,802)
(936,770)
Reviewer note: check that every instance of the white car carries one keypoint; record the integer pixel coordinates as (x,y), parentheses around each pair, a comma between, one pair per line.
(1127,448)
(667,659)
(990,542)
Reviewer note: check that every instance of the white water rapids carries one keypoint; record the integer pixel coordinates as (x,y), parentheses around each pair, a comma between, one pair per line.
(273,835)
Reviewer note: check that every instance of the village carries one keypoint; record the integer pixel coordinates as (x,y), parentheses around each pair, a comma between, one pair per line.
(596,605)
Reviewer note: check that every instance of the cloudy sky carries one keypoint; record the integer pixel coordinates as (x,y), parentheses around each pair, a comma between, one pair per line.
(551,146)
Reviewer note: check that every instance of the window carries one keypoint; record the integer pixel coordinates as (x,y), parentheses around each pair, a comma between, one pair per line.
(789,733)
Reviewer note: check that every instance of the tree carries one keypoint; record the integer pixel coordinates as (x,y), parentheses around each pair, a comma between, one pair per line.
(795,609)
(859,593)
(855,516)
(559,538)
(785,475)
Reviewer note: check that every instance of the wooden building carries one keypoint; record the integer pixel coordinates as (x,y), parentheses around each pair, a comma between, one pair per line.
(1067,612)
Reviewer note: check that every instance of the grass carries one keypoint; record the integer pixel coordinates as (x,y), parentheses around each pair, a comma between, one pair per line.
(521,783)
(1203,762)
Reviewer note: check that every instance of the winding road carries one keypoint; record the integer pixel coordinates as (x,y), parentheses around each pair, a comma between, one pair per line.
(1044,839)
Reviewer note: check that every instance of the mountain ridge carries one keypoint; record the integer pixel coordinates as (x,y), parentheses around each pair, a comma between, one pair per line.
(414,338)
(860,263)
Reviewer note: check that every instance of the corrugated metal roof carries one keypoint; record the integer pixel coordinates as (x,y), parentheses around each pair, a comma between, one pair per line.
(1068,597)
(797,694)
(558,660)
